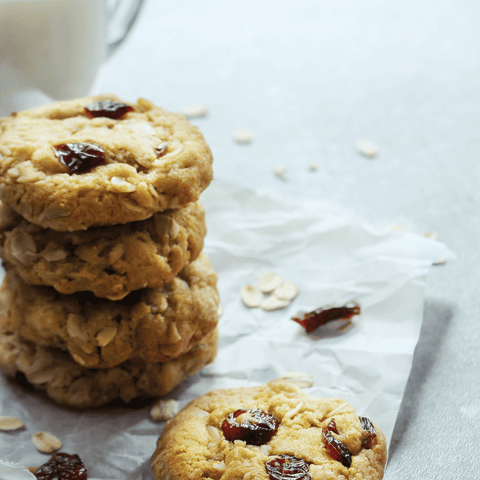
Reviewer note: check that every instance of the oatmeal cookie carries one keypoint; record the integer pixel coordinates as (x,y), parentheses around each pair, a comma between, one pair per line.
(152,160)
(70,384)
(108,261)
(152,324)
(194,443)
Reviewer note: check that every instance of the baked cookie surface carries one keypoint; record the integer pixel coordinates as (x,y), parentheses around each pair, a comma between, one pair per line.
(108,261)
(152,324)
(153,160)
(70,384)
(193,444)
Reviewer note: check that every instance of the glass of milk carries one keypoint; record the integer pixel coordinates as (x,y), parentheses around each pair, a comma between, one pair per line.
(57,46)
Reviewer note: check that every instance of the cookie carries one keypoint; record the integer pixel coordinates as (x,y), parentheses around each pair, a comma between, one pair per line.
(108,261)
(201,440)
(144,162)
(152,324)
(70,384)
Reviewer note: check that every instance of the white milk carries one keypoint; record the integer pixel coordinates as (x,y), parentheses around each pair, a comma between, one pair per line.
(57,46)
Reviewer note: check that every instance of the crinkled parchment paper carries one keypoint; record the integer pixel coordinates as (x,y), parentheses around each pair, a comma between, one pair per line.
(333,258)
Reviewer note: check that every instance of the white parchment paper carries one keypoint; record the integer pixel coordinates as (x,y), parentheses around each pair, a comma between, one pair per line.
(333,258)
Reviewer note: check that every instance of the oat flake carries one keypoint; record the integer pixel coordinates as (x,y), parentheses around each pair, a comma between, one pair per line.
(251,296)
(368,149)
(194,111)
(46,442)
(10,423)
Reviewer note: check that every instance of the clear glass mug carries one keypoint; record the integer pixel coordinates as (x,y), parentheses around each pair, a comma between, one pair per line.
(57,46)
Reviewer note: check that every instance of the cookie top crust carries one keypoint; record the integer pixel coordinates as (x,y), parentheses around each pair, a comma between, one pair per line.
(194,446)
(155,325)
(110,261)
(68,383)
(154,160)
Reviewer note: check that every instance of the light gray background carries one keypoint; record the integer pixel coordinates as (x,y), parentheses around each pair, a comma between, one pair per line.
(310,79)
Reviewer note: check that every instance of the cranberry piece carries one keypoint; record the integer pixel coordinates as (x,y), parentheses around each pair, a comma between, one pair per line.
(369,434)
(336,449)
(257,430)
(287,467)
(80,157)
(321,316)
(161,150)
(62,466)
(108,108)
(332,427)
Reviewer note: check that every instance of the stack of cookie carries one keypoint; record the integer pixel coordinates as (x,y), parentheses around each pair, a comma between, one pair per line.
(107,292)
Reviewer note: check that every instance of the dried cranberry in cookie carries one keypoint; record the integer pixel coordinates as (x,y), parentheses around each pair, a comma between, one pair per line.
(62,466)
(80,157)
(108,108)
(369,434)
(336,449)
(287,467)
(253,426)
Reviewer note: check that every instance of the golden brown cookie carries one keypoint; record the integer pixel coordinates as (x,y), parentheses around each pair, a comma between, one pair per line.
(152,324)
(108,261)
(70,384)
(121,170)
(289,431)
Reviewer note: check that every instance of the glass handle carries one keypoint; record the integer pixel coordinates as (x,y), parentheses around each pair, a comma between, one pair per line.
(120,17)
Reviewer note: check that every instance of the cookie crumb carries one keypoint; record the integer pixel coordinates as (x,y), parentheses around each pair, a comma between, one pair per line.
(251,296)
(440,261)
(397,228)
(10,423)
(313,167)
(164,410)
(368,149)
(46,442)
(280,171)
(194,111)
(243,136)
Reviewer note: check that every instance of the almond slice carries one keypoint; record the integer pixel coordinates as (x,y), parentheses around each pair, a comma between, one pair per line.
(46,442)
(164,410)
(10,423)
(287,291)
(302,380)
(274,303)
(269,281)
(251,296)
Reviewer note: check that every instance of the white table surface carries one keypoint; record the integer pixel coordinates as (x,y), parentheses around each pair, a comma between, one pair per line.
(310,79)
